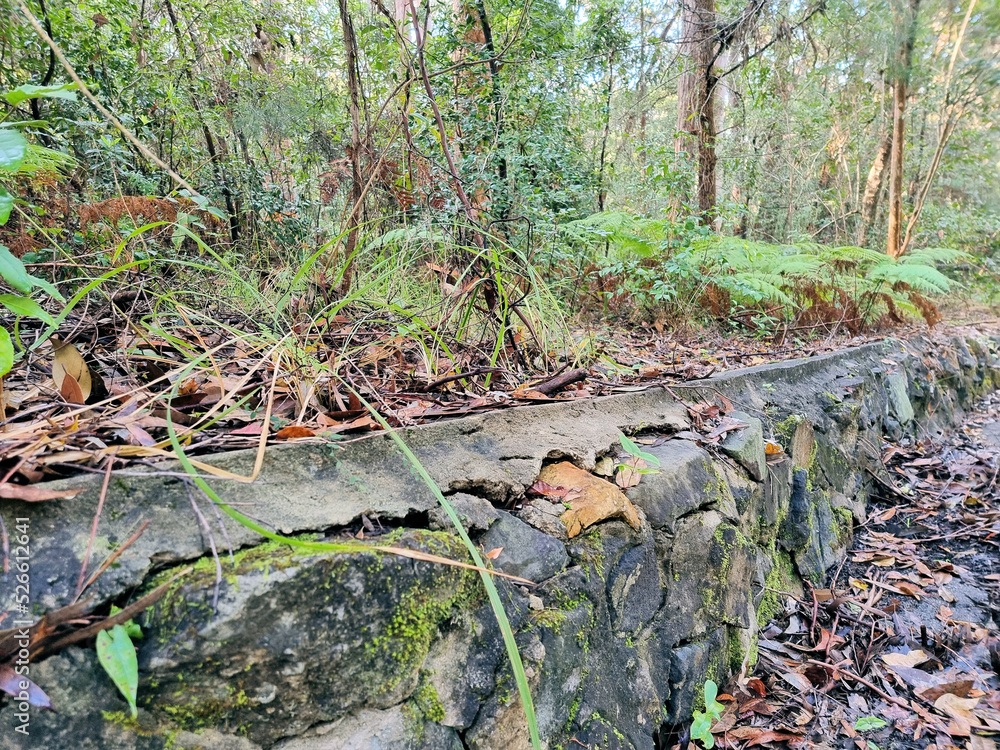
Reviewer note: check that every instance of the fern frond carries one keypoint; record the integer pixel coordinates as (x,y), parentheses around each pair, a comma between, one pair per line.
(42,159)
(924,279)
(858,256)
(932,256)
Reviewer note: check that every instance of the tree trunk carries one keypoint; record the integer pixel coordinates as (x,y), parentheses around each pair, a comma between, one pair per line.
(696,97)
(903,65)
(874,187)
(353,86)
(214,156)
(947,128)
(602,188)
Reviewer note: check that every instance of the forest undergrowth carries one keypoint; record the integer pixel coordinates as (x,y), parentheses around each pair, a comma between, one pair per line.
(150,315)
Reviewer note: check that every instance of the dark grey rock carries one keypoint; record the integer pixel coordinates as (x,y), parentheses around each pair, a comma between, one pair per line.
(689,668)
(896,387)
(685,482)
(330,633)
(396,728)
(746,446)
(527,552)
(635,591)
(475,513)
(544,516)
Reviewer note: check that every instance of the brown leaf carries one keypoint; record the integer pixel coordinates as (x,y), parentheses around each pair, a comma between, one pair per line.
(32,493)
(493,554)
(70,390)
(909,659)
(69,363)
(772,736)
(544,489)
(254,428)
(628,475)
(757,706)
(960,711)
(958,688)
(797,680)
(757,685)
(728,424)
(21,688)
(827,640)
(140,436)
(981,743)
(909,589)
(591,499)
(292,431)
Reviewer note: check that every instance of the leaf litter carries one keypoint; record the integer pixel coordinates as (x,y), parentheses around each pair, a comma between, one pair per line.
(114,379)
(902,649)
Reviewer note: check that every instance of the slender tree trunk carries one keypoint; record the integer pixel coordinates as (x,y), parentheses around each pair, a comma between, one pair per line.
(696,97)
(907,23)
(217,168)
(949,122)
(496,98)
(353,88)
(874,187)
(602,188)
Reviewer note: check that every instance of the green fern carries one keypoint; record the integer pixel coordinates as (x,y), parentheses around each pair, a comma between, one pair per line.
(843,283)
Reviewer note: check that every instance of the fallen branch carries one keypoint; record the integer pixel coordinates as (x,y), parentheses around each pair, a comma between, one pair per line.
(561,381)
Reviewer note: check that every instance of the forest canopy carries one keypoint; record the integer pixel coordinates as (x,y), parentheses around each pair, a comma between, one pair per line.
(499,171)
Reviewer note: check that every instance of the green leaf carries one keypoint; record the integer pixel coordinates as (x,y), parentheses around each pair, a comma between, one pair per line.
(25,306)
(630,447)
(133,630)
(711,691)
(12,271)
(13,148)
(6,204)
(117,656)
(649,458)
(701,730)
(48,287)
(869,723)
(63,91)
(6,352)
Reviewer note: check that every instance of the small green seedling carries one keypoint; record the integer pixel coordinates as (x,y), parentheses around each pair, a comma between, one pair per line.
(116,652)
(636,452)
(701,724)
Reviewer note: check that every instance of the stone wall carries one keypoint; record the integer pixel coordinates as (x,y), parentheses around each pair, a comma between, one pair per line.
(366,650)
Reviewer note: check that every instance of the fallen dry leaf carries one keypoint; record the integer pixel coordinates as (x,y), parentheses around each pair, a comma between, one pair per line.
(70,390)
(19,685)
(591,499)
(544,489)
(771,736)
(797,680)
(292,431)
(628,475)
(958,688)
(69,364)
(909,659)
(32,493)
(981,743)
(960,711)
